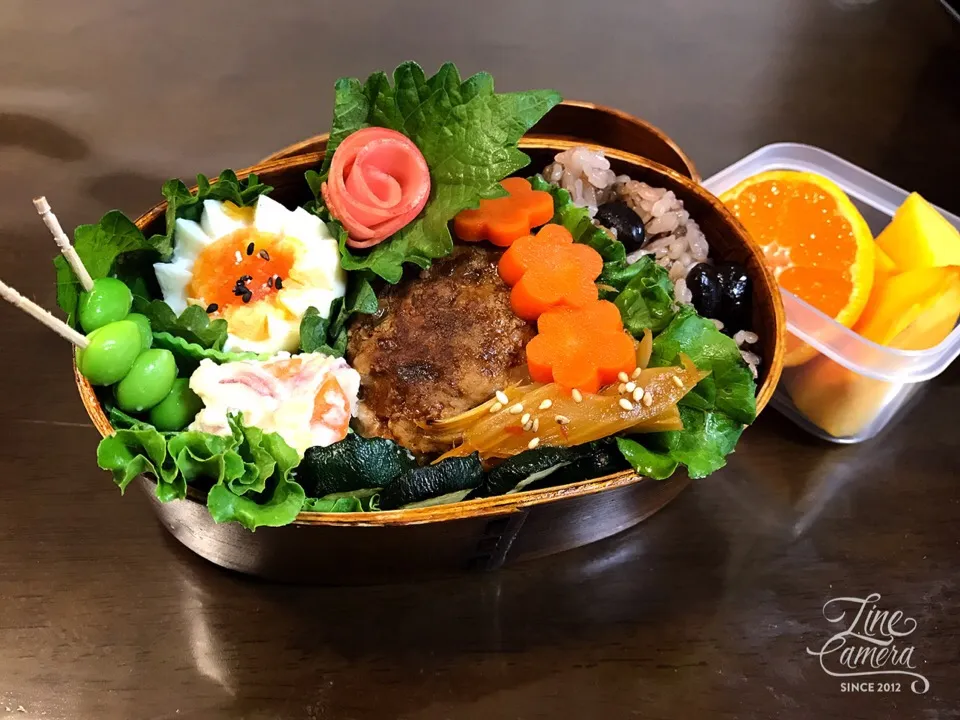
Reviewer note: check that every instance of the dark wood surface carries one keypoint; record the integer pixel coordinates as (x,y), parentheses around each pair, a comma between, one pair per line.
(706,610)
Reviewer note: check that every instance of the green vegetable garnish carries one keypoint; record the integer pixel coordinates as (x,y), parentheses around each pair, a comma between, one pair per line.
(648,463)
(467,133)
(355,463)
(248,472)
(193,325)
(329,335)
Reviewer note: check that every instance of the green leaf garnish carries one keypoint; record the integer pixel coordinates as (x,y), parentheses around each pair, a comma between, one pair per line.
(646,300)
(193,325)
(248,473)
(646,462)
(190,354)
(329,335)
(467,133)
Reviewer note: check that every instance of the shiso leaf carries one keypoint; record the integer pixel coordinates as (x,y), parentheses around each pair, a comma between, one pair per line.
(467,133)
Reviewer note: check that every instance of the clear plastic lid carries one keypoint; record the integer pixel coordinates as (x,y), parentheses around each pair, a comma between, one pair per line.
(878,200)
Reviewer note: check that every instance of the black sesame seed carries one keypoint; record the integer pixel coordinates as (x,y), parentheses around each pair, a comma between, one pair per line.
(246,278)
(270,282)
(247,296)
(264,254)
(212,308)
(250,249)
(279,284)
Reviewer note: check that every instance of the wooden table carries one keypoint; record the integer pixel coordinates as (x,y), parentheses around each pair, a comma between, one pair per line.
(707,610)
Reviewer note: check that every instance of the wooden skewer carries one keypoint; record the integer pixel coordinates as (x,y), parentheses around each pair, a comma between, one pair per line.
(69,252)
(37,312)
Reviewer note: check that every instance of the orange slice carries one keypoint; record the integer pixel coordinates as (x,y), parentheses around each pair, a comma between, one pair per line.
(816,242)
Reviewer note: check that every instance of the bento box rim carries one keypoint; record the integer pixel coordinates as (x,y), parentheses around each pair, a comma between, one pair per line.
(501,504)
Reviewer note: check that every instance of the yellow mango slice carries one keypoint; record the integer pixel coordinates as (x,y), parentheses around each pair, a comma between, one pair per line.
(843,403)
(883,265)
(898,300)
(919,236)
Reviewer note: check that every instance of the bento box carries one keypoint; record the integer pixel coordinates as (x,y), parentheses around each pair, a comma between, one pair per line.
(852,389)
(476,534)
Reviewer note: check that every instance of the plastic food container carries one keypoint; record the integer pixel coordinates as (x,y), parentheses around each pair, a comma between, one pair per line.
(870,385)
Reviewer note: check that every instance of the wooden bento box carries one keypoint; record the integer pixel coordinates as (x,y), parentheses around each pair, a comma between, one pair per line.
(485,534)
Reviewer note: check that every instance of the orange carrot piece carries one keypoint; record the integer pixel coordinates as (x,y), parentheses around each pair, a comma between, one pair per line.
(503,220)
(549,270)
(584,348)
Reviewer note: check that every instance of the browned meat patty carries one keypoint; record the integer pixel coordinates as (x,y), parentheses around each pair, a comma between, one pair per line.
(440,344)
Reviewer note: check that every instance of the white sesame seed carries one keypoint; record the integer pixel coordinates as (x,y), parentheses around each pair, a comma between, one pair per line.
(525,418)
(527,426)
(677,381)
(562,419)
(533,443)
(626,404)
(636,373)
(536,424)
(622,377)
(495,408)
(577,396)
(238,256)
(620,388)
(648,399)
(516,409)
(545,405)
(630,386)
(502,397)
(638,394)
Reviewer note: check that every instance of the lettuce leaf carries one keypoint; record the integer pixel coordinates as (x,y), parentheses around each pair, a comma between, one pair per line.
(193,325)
(329,335)
(248,474)
(730,387)
(190,354)
(467,133)
(703,444)
(578,221)
(646,462)
(646,300)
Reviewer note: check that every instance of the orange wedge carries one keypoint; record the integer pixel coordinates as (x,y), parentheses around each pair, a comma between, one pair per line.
(816,242)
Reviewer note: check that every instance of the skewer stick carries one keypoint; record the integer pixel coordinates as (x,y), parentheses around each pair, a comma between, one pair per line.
(38,313)
(69,252)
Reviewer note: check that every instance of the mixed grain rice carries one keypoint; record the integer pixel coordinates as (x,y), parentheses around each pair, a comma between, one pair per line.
(674,239)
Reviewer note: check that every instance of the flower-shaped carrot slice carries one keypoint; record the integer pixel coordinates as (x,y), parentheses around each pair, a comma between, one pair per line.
(583,348)
(503,220)
(549,270)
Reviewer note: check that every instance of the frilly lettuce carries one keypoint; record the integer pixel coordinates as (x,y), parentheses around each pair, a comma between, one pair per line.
(247,474)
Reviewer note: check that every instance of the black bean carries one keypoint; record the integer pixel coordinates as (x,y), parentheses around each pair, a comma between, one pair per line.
(212,308)
(250,249)
(704,285)
(737,297)
(621,217)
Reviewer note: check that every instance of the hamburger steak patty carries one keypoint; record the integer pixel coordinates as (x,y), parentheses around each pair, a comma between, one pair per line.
(440,344)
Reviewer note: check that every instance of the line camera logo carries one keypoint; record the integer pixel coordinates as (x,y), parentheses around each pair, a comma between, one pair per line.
(873,645)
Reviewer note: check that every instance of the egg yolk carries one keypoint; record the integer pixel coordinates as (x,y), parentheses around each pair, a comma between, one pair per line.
(243,267)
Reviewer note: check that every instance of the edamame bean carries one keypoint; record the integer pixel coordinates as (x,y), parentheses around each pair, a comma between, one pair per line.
(111,353)
(149,380)
(177,409)
(109,301)
(146,332)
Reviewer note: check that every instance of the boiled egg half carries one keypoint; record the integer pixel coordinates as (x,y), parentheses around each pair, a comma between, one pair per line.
(258,267)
